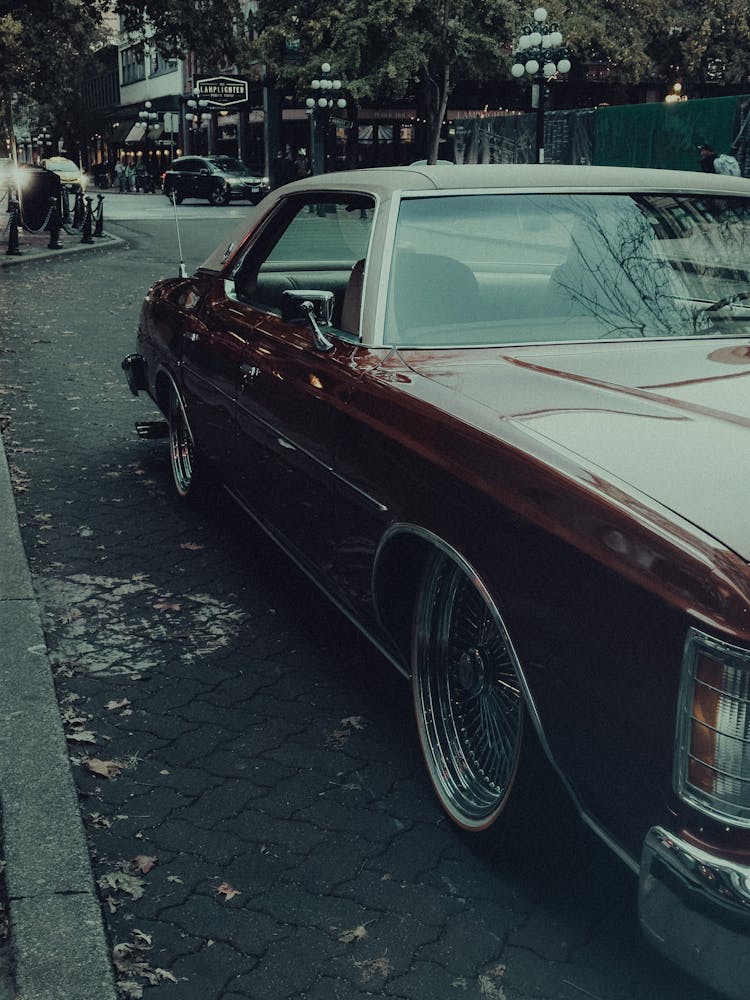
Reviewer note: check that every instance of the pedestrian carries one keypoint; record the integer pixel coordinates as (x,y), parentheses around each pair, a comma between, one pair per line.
(120,179)
(283,168)
(140,174)
(129,176)
(303,164)
(708,156)
(727,164)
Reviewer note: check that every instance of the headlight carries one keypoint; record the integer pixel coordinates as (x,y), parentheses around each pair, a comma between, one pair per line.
(712,756)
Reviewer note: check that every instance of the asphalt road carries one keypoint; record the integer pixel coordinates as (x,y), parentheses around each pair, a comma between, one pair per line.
(259,819)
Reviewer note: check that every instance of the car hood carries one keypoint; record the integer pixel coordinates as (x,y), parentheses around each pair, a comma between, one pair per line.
(672,419)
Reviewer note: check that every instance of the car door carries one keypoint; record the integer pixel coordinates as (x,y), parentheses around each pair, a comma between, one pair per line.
(189,169)
(211,355)
(292,389)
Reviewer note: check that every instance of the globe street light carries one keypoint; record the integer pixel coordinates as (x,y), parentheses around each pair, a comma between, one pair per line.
(199,118)
(541,56)
(319,106)
(148,118)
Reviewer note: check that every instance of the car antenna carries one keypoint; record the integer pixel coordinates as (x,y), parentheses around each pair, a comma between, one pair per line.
(173,199)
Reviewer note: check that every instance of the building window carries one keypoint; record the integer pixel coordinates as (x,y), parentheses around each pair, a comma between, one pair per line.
(161,65)
(133,64)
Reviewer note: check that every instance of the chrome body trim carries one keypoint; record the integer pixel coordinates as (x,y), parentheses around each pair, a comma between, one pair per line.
(694,908)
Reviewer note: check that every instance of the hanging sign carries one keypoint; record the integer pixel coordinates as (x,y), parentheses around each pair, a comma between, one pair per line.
(221,91)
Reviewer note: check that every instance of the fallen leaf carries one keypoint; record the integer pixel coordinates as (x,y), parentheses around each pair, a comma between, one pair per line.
(112,706)
(165,974)
(174,878)
(167,606)
(104,768)
(141,938)
(227,891)
(99,821)
(192,546)
(355,934)
(142,863)
(121,882)
(373,967)
(130,989)
(84,736)
(355,721)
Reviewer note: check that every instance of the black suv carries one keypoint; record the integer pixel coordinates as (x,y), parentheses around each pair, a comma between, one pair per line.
(219,179)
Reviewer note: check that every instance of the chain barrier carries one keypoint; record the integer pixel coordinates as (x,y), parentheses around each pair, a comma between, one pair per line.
(30,229)
(89,226)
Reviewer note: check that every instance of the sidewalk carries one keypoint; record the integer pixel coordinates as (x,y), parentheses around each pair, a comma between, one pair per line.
(57,939)
(57,948)
(35,246)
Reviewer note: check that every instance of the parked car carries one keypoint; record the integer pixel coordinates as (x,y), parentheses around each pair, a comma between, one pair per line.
(70,174)
(500,414)
(218,179)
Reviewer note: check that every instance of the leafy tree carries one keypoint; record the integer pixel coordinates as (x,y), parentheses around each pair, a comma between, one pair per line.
(46,49)
(386,49)
(690,40)
(216,30)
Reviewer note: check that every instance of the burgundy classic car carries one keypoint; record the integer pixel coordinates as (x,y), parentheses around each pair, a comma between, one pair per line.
(500,415)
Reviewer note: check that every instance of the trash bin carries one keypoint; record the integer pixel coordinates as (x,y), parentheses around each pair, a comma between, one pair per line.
(37,187)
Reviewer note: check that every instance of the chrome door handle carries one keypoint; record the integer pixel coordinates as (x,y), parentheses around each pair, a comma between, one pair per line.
(192,336)
(249,374)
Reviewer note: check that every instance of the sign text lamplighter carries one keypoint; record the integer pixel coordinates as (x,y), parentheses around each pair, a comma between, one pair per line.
(222,91)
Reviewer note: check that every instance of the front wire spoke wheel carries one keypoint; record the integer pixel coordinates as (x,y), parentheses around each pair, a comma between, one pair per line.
(467,696)
(181,449)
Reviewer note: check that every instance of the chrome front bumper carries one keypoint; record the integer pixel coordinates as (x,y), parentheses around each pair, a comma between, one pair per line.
(695,909)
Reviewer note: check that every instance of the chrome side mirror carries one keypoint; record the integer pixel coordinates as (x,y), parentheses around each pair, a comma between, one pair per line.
(313,305)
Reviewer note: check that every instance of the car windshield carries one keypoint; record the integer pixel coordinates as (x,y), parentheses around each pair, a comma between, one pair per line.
(229,165)
(535,268)
(62,166)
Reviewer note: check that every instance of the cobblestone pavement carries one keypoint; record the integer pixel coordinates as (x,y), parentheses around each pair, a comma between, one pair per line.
(259,818)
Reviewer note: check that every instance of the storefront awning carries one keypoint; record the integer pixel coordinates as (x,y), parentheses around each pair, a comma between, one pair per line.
(119,131)
(136,133)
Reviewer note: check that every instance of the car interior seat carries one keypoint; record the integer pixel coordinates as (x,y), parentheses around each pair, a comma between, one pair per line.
(431,290)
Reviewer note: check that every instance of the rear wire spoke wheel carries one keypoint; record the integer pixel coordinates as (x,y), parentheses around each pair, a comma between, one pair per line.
(181,447)
(467,696)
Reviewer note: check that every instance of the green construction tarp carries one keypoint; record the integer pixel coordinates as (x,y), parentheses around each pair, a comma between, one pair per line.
(663,135)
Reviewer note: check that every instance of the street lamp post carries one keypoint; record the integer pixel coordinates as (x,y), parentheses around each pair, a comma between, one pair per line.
(319,106)
(199,117)
(148,118)
(542,57)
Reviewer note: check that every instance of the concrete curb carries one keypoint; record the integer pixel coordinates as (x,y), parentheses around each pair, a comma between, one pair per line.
(56,926)
(31,253)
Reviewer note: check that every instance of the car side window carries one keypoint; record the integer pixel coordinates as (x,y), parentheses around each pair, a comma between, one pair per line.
(318,244)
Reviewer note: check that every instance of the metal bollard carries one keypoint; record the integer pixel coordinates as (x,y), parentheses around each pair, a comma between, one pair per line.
(99,227)
(13,247)
(78,210)
(66,217)
(87,219)
(53,226)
